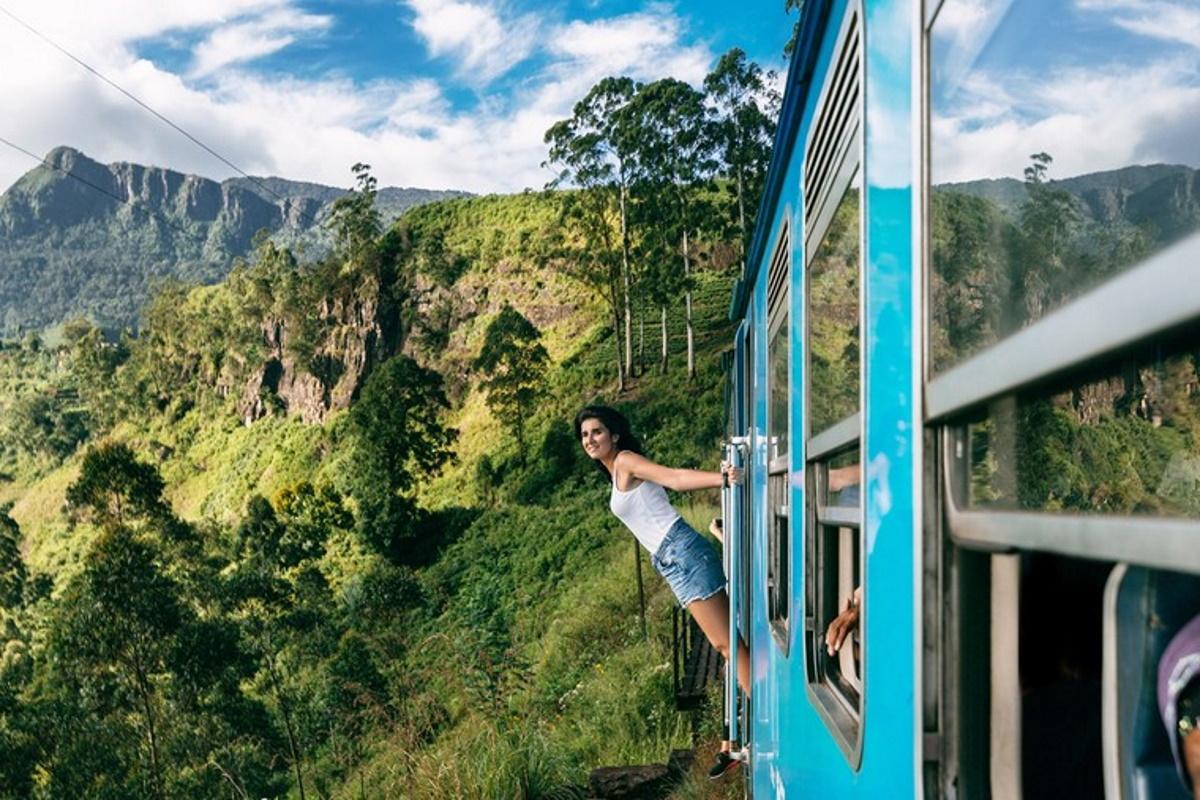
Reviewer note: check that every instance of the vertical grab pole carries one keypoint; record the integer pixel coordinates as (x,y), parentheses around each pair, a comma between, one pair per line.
(733,541)
(727,557)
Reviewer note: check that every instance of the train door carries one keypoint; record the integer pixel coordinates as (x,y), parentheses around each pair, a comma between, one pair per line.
(736,511)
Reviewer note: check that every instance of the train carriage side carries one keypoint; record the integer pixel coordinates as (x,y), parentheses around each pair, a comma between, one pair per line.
(827,373)
(970,405)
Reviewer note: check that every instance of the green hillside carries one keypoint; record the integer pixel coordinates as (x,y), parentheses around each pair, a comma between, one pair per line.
(473,631)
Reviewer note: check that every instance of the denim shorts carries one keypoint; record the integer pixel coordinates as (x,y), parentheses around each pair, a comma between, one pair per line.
(689,563)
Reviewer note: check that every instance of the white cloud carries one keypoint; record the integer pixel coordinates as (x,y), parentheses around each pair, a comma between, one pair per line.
(474,34)
(1098,118)
(253,38)
(305,129)
(646,43)
(1158,19)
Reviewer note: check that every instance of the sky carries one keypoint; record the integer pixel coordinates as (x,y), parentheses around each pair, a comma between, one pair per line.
(1097,84)
(437,94)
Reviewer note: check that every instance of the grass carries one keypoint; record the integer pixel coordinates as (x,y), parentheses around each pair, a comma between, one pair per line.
(226,463)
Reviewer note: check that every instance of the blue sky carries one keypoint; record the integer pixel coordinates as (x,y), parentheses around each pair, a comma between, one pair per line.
(370,39)
(433,93)
(1097,84)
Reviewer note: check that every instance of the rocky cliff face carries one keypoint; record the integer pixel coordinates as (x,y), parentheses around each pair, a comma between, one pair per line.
(46,199)
(356,335)
(95,243)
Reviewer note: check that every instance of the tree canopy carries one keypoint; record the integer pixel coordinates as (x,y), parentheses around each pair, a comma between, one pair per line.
(513,361)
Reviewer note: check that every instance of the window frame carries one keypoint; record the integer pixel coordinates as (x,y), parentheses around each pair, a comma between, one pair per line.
(778,582)
(842,161)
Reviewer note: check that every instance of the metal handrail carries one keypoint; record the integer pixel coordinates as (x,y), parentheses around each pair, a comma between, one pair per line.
(1161,542)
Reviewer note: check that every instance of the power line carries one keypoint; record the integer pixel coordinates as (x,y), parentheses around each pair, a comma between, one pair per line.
(312,219)
(123,200)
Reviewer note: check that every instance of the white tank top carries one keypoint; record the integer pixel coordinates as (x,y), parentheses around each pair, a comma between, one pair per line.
(646,511)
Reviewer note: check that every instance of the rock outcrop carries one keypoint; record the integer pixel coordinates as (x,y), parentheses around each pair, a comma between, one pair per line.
(356,335)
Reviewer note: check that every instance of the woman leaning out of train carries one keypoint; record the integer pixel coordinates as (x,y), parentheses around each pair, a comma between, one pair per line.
(687,561)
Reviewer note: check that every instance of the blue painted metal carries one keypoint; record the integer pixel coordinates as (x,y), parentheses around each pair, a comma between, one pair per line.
(792,752)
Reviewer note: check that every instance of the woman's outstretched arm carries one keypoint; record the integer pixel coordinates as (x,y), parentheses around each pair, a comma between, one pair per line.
(679,480)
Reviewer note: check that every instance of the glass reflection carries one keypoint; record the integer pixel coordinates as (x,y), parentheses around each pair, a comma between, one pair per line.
(1123,440)
(833,317)
(777,355)
(1064,146)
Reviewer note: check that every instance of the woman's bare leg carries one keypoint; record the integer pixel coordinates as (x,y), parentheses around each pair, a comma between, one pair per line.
(712,615)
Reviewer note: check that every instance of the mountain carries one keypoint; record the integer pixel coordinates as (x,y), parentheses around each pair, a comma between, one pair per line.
(1162,199)
(97,242)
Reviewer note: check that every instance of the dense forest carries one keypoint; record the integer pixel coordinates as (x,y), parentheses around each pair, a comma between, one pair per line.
(322,529)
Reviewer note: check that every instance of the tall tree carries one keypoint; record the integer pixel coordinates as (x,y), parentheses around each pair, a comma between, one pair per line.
(354,219)
(674,153)
(591,151)
(790,47)
(746,107)
(263,595)
(398,439)
(513,361)
(122,614)
(94,364)
(1043,274)
(12,566)
(657,248)
(114,488)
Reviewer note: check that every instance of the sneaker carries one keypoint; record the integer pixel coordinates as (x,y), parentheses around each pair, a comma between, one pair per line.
(724,763)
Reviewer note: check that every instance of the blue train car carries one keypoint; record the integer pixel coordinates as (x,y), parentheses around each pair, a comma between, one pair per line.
(965,389)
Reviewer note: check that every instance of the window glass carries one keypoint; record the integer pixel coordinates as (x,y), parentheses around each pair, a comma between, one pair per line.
(1122,439)
(842,480)
(833,317)
(1063,151)
(777,356)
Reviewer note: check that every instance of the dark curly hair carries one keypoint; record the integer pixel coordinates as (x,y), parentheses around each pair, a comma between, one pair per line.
(617,425)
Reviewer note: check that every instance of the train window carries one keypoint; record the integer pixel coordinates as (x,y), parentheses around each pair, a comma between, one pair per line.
(833,558)
(1029,206)
(778,391)
(1064,326)
(1063,362)
(839,558)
